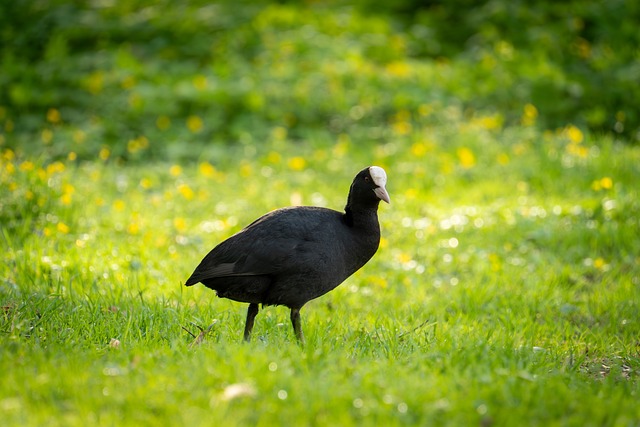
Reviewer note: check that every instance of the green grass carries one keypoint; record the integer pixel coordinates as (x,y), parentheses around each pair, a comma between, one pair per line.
(133,139)
(505,291)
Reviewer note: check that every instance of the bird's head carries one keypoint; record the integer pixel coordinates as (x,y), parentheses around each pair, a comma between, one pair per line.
(369,187)
(379,179)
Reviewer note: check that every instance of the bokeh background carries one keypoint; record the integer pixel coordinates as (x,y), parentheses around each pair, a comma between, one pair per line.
(136,135)
(144,80)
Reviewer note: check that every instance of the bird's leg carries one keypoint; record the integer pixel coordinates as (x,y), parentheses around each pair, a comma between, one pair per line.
(251,315)
(295,321)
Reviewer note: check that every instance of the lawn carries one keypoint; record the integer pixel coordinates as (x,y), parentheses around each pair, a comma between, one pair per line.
(501,297)
(505,291)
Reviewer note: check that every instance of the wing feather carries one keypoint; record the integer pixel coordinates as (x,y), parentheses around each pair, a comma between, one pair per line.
(265,247)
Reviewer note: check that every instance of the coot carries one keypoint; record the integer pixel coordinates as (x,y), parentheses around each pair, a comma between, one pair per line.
(295,254)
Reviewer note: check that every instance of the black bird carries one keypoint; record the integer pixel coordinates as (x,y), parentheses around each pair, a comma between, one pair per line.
(295,254)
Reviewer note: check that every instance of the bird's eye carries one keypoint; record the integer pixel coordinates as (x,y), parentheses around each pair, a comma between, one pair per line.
(366,178)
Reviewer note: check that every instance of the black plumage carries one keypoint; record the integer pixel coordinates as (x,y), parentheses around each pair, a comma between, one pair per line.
(293,255)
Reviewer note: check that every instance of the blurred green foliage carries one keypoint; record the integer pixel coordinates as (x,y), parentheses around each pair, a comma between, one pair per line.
(150,80)
(576,61)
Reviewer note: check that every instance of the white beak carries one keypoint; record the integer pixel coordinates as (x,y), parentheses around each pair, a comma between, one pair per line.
(382,194)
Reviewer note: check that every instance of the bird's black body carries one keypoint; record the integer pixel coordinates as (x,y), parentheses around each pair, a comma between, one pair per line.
(293,255)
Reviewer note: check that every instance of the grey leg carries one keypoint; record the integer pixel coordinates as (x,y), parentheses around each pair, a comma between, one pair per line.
(295,321)
(251,315)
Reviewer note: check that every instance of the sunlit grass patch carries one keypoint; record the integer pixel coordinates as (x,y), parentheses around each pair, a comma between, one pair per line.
(496,285)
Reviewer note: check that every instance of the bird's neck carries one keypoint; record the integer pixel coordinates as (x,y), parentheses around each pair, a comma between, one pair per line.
(361,217)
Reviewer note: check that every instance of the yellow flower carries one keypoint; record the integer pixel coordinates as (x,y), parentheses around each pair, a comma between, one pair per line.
(186,191)
(27,166)
(145,183)
(574,134)
(67,192)
(63,228)
(378,281)
(119,205)
(402,128)
(274,157)
(175,170)
(503,159)
(577,150)
(133,228)
(419,149)
(200,82)
(489,122)
(530,114)
(8,168)
(245,170)
(180,224)
(135,145)
(606,183)
(104,153)
(402,122)
(410,193)
(466,157)
(297,163)
(403,257)
(194,123)
(160,241)
(399,69)
(495,262)
(53,116)
(425,110)
(55,167)
(206,169)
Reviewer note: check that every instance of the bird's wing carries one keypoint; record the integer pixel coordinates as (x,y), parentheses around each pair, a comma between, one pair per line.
(242,256)
(267,246)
